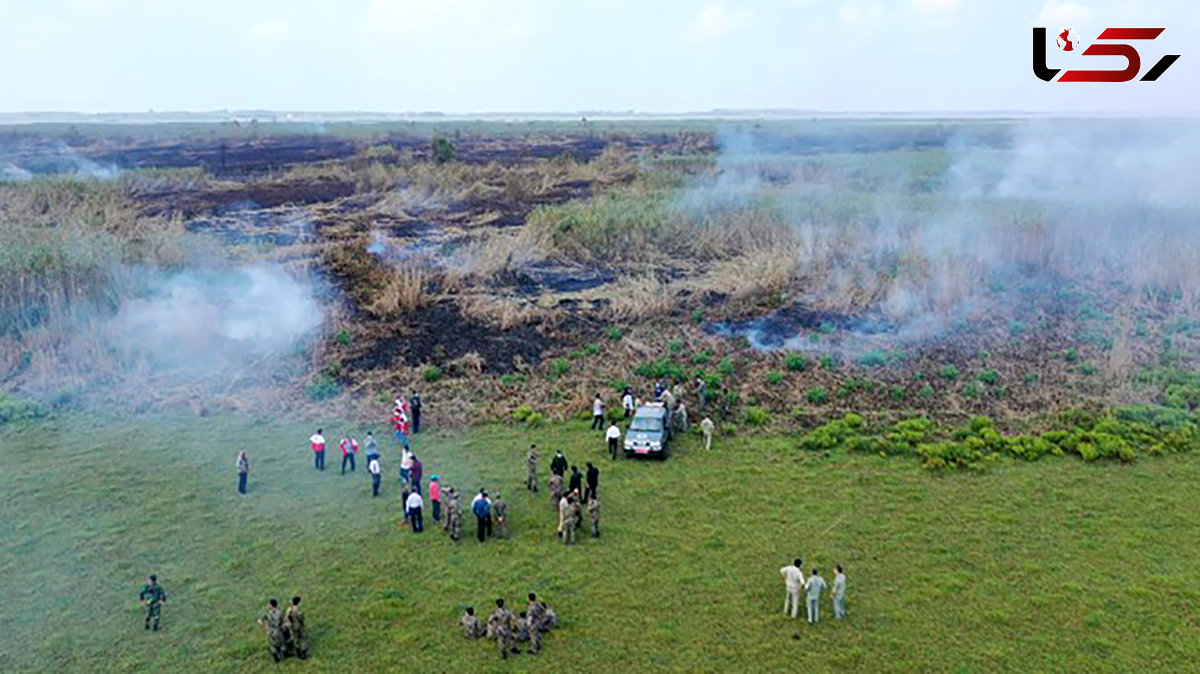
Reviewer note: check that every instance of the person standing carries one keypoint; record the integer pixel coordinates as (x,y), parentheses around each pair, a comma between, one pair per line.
(500,510)
(564,509)
(681,417)
(558,465)
(243,468)
(469,622)
(576,483)
(415,406)
(614,440)
(594,512)
(400,422)
(415,471)
(294,618)
(415,505)
(272,620)
(569,521)
(701,393)
(706,427)
(593,481)
(349,447)
(318,447)
(406,461)
(627,402)
(153,596)
(597,414)
(435,497)
(839,593)
(793,581)
(482,507)
(376,472)
(371,447)
(531,461)
(814,587)
(556,490)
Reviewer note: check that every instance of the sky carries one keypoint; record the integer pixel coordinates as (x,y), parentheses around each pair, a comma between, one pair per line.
(476,56)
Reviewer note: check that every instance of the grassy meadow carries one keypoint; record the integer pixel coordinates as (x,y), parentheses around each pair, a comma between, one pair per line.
(1057,565)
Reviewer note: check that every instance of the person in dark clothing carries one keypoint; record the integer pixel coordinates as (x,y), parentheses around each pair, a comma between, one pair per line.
(558,465)
(415,406)
(593,481)
(482,507)
(576,483)
(415,474)
(243,468)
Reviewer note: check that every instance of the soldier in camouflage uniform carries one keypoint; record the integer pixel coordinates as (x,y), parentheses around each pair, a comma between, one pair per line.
(594,511)
(527,631)
(500,625)
(448,503)
(500,512)
(153,596)
(570,520)
(531,479)
(456,523)
(469,623)
(294,618)
(272,620)
(536,613)
(556,489)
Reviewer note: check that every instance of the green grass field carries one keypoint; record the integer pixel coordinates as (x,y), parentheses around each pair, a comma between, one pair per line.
(1049,566)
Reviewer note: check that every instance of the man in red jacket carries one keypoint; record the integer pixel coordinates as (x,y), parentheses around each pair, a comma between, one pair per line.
(349,448)
(318,447)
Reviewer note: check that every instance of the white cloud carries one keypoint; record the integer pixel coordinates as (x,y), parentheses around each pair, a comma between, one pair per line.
(935,6)
(716,21)
(271,30)
(1057,14)
(856,13)
(481,20)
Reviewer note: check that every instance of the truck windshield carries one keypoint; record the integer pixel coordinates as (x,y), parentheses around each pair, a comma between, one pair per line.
(646,424)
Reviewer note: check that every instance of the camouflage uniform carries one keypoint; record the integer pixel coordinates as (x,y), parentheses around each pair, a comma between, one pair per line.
(276,643)
(527,631)
(536,613)
(456,524)
(500,512)
(594,511)
(296,631)
(556,489)
(154,595)
(531,479)
(550,621)
(500,625)
(569,522)
(471,628)
(448,502)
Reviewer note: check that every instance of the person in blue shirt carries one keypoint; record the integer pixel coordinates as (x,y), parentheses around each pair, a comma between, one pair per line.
(482,507)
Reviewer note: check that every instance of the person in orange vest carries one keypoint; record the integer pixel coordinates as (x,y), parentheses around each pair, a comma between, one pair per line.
(318,447)
(349,447)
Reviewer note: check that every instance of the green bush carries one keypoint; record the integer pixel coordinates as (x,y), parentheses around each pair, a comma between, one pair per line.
(513,379)
(926,392)
(584,352)
(874,358)
(18,409)
(431,373)
(613,332)
(343,337)
(729,429)
(757,416)
(1071,355)
(828,363)
(725,367)
(443,150)
(322,387)
(899,394)
(817,395)
(662,368)
(1088,369)
(989,377)
(796,362)
(559,367)
(702,357)
(698,316)
(949,373)
(972,390)
(774,378)
(522,412)
(675,346)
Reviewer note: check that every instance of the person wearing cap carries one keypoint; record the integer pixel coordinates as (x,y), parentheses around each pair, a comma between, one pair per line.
(435,497)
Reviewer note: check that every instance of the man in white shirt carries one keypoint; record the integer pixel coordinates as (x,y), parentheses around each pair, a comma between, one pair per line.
(814,587)
(375,470)
(406,460)
(318,447)
(627,402)
(414,506)
(793,580)
(597,413)
(614,439)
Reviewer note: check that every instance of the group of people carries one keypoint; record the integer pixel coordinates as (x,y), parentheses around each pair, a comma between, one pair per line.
(286,633)
(670,397)
(508,629)
(813,587)
(571,499)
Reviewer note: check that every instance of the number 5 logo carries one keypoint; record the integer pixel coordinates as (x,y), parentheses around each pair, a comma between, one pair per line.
(1133,61)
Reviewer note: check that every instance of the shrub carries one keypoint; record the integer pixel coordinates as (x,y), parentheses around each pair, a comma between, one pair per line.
(322,387)
(774,378)
(1071,355)
(18,409)
(988,377)
(1031,378)
(827,327)
(817,395)
(972,390)
(343,337)
(662,368)
(729,429)
(584,352)
(702,357)
(698,316)
(535,420)
(431,373)
(725,367)
(828,363)
(1088,369)
(899,394)
(443,150)
(796,362)
(613,332)
(757,416)
(949,373)
(513,379)
(559,367)
(675,347)
(926,392)
(873,358)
